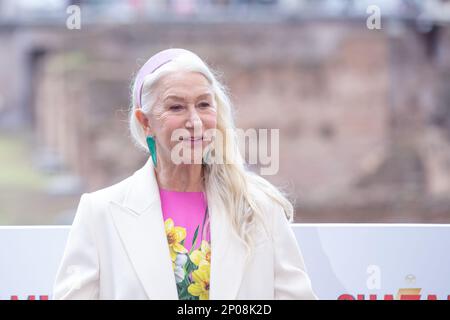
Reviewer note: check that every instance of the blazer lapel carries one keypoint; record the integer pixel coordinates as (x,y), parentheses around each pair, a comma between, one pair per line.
(139,222)
(227,257)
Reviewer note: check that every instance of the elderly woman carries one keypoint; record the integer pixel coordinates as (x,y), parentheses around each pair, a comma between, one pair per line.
(196,226)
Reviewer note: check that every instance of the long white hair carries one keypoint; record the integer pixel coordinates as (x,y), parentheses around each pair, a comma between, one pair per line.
(242,194)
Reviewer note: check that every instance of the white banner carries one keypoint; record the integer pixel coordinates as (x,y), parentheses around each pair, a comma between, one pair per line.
(344,261)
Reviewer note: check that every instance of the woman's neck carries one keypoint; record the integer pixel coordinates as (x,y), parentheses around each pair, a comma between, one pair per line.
(182,177)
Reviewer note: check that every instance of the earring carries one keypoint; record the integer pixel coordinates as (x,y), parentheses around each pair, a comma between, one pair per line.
(205,159)
(152,148)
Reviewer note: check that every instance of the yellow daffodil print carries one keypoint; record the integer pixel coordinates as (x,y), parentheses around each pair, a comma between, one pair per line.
(175,235)
(201,276)
(191,268)
(202,254)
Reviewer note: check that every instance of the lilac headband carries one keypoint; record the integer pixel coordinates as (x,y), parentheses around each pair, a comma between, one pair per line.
(151,65)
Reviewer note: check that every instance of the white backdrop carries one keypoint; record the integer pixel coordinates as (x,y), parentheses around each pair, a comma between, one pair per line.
(352,259)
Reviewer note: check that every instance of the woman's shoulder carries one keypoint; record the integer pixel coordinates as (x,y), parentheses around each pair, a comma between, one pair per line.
(265,202)
(115,192)
(270,200)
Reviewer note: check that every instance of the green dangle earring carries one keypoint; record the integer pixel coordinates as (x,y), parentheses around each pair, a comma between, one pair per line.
(152,148)
(205,159)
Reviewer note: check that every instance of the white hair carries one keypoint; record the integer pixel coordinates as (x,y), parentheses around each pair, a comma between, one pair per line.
(229,185)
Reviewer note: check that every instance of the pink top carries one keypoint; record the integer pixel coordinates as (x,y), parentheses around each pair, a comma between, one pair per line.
(187,210)
(183,213)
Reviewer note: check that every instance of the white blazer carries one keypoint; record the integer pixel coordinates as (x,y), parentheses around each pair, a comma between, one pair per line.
(117,249)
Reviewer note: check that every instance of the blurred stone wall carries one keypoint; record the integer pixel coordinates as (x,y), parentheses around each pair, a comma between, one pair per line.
(363,115)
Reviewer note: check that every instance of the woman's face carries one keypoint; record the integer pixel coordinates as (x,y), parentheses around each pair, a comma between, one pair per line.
(184,100)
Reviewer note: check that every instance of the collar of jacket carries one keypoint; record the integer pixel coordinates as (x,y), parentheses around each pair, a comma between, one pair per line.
(140,224)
